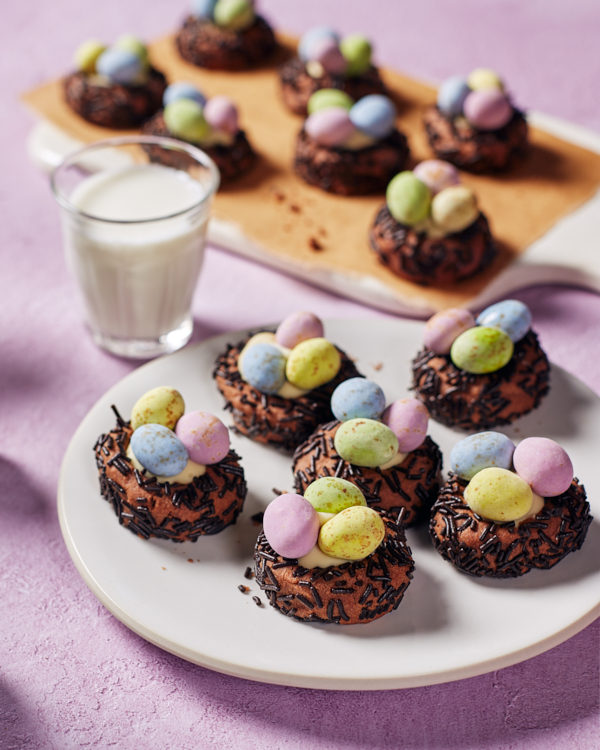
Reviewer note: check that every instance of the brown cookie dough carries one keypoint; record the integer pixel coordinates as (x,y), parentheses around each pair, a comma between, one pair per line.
(406,490)
(355,592)
(479,402)
(431,261)
(484,548)
(454,140)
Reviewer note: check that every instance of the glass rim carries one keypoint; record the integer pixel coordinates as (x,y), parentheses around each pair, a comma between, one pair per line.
(172,143)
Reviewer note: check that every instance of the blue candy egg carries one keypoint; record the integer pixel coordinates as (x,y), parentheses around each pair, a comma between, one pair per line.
(264,367)
(481,451)
(183,90)
(510,315)
(203,8)
(305,48)
(120,65)
(374,115)
(159,450)
(451,96)
(357,398)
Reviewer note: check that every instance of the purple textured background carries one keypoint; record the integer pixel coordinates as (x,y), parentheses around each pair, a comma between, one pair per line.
(73,676)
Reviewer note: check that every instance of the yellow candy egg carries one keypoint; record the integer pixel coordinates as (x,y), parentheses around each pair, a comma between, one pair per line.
(484,78)
(499,495)
(313,363)
(162,405)
(352,534)
(87,54)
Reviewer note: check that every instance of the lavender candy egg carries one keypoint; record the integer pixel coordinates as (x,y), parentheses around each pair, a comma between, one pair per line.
(511,316)
(436,174)
(264,367)
(481,451)
(357,398)
(221,114)
(451,96)
(183,90)
(544,465)
(374,115)
(407,418)
(291,525)
(159,450)
(329,127)
(205,437)
(487,109)
(298,327)
(327,52)
(305,48)
(120,65)
(444,327)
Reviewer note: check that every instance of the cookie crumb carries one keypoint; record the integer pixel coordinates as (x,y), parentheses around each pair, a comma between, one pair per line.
(314,244)
(257,601)
(249,573)
(275,491)
(243,589)
(378,366)
(190,559)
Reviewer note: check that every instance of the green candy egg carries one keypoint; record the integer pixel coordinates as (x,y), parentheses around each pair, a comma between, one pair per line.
(365,442)
(162,405)
(352,534)
(499,495)
(357,49)
(481,349)
(332,495)
(408,199)
(87,54)
(312,363)
(185,119)
(326,98)
(235,15)
(133,44)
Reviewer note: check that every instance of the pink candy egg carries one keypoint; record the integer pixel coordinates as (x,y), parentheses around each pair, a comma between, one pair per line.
(298,327)
(327,52)
(444,327)
(329,127)
(544,465)
(408,420)
(221,114)
(487,109)
(291,525)
(204,435)
(436,174)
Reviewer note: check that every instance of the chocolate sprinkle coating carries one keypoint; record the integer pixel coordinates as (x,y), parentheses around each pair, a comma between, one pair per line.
(351,172)
(407,490)
(484,548)
(203,43)
(354,592)
(479,402)
(114,105)
(454,140)
(179,512)
(429,261)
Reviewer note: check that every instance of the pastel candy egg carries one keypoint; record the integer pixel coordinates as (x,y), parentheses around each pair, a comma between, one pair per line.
(357,397)
(203,8)
(162,405)
(544,465)
(480,350)
(87,54)
(408,419)
(235,15)
(332,495)
(159,450)
(120,65)
(329,127)
(307,41)
(454,208)
(484,78)
(498,495)
(133,44)
(436,174)
(365,442)
(442,329)
(374,115)
(328,98)
(352,534)
(205,437)
(512,316)
(313,363)
(264,367)
(221,114)
(326,51)
(298,327)
(356,48)
(451,96)
(481,451)
(291,525)
(487,109)
(185,119)
(183,90)
(408,199)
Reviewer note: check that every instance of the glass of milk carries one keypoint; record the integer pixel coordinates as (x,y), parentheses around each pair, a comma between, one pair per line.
(134,213)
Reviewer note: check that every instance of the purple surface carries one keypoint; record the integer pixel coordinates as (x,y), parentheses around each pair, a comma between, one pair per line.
(71,675)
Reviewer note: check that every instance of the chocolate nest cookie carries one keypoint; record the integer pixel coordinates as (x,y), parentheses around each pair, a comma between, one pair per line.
(297,86)
(475,150)
(203,43)
(272,419)
(460,399)
(233,161)
(407,490)
(179,512)
(350,172)
(114,105)
(484,548)
(346,594)
(428,260)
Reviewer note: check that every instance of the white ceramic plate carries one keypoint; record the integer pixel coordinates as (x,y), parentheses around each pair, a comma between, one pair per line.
(185,598)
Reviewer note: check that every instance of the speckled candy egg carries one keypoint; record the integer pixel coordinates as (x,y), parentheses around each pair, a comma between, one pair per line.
(327,98)
(454,208)
(374,115)
(133,44)
(484,78)
(332,495)
(480,350)
(365,442)
(436,174)
(159,450)
(235,15)
(185,119)
(443,328)
(313,35)
(481,451)
(408,199)
(408,419)
(298,327)
(451,96)
(356,48)
(87,54)
(162,405)
(221,114)
(313,363)
(203,8)
(183,90)
(499,495)
(326,51)
(291,525)
(510,315)
(120,65)
(264,367)
(357,397)
(329,127)
(544,465)
(205,437)
(487,109)
(352,534)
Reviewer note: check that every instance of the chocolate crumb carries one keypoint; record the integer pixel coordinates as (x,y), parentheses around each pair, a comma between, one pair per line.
(275,491)
(248,573)
(257,518)
(257,601)
(314,244)
(243,589)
